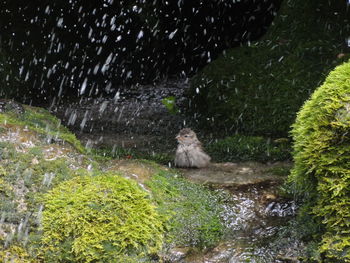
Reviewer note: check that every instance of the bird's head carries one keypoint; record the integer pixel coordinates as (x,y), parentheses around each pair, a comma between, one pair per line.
(186,136)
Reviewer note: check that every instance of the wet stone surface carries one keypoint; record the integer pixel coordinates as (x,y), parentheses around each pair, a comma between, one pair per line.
(133,110)
(133,117)
(10,105)
(252,221)
(252,211)
(235,174)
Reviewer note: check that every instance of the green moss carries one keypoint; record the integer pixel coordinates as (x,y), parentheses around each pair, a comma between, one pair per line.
(99,218)
(249,148)
(44,123)
(321,173)
(5,188)
(107,153)
(33,174)
(15,254)
(90,216)
(258,88)
(37,151)
(190,210)
(116,152)
(22,181)
(2,171)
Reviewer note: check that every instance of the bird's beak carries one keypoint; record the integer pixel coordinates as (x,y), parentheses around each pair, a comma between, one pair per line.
(177,137)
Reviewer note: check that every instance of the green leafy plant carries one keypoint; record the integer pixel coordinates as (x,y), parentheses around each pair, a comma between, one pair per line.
(100,218)
(321,174)
(170,104)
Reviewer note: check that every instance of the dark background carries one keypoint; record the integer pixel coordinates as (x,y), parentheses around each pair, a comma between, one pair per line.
(88,48)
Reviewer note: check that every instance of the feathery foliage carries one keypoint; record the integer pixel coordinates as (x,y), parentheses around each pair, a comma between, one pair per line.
(99,218)
(322,161)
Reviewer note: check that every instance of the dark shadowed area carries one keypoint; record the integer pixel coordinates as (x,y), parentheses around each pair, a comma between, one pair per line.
(88,48)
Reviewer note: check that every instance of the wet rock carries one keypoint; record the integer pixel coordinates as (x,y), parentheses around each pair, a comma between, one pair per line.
(137,170)
(281,209)
(11,106)
(135,118)
(35,161)
(176,255)
(137,110)
(235,174)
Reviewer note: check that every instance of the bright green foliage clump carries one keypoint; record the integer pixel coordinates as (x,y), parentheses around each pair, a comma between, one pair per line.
(258,88)
(191,211)
(15,254)
(249,148)
(322,161)
(99,219)
(170,104)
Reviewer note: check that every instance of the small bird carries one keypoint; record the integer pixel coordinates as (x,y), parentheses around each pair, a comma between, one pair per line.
(189,152)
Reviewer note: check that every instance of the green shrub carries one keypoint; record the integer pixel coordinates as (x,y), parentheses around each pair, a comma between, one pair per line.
(258,88)
(191,211)
(101,218)
(322,161)
(249,148)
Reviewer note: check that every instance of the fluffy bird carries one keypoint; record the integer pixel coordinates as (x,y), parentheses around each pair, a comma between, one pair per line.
(189,152)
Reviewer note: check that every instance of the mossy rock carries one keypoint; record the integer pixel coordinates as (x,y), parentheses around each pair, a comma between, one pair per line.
(90,215)
(321,173)
(11,106)
(34,158)
(189,211)
(258,88)
(39,121)
(99,218)
(192,212)
(24,176)
(240,148)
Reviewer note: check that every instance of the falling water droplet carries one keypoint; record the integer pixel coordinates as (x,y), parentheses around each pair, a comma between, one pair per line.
(83,86)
